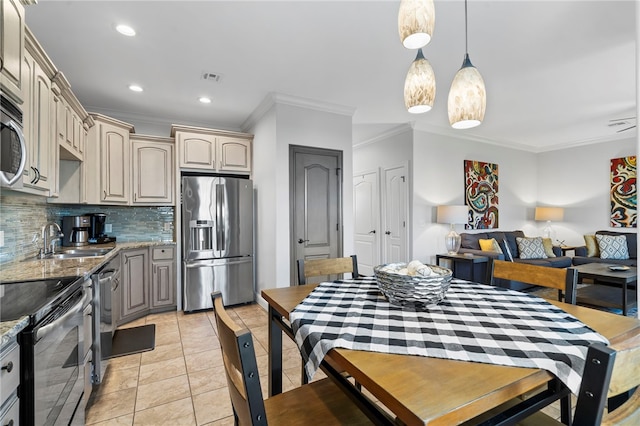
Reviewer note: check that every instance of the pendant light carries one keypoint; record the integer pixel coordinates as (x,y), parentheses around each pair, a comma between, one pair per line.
(419,86)
(467,97)
(416,19)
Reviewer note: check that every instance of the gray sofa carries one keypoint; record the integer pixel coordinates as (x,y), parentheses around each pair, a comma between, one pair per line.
(470,244)
(580,257)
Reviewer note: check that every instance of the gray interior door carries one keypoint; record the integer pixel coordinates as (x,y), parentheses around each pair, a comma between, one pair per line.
(316,204)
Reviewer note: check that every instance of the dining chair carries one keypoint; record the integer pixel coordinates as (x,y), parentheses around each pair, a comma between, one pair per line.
(563,279)
(318,402)
(609,393)
(324,267)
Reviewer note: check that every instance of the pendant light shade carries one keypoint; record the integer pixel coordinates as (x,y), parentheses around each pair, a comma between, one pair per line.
(419,86)
(467,97)
(416,19)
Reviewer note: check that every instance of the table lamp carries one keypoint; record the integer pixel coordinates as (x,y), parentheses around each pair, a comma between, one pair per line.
(452,215)
(548,214)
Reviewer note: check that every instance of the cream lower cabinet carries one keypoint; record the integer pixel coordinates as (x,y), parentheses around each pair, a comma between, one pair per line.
(135,284)
(12,25)
(107,161)
(163,277)
(152,170)
(213,150)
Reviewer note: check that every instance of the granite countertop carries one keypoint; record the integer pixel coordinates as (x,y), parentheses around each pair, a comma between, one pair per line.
(35,269)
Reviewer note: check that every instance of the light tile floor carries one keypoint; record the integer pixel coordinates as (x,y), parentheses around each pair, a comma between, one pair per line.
(182,381)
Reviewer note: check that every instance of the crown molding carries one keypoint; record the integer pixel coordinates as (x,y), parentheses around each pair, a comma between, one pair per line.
(389,133)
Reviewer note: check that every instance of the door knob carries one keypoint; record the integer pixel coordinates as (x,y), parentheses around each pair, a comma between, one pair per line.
(300,241)
(388,232)
(372,232)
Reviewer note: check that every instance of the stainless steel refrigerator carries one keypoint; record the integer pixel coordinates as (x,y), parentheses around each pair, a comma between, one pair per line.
(217,240)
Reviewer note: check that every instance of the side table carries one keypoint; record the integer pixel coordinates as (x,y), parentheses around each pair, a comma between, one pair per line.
(457,258)
(565,249)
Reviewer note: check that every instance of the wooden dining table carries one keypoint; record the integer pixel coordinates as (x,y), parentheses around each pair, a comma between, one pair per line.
(424,390)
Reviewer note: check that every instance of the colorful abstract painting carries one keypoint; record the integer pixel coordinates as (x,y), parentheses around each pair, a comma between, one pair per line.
(481,194)
(623,192)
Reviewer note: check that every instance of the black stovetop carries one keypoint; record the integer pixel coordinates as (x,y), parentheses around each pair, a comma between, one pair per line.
(34,298)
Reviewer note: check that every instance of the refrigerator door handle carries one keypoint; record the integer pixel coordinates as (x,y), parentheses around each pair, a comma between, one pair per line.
(220,206)
(216,262)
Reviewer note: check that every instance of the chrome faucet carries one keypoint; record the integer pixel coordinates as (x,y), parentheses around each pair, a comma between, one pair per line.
(49,248)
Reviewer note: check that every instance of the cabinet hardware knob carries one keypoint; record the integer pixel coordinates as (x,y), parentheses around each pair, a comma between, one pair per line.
(8,367)
(105,194)
(388,232)
(10,423)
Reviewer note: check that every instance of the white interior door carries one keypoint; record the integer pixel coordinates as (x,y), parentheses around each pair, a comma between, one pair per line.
(395,198)
(366,208)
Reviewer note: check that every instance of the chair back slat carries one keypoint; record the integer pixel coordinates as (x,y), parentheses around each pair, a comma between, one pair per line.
(326,267)
(241,367)
(563,279)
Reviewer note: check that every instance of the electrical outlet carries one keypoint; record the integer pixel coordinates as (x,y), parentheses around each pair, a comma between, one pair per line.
(108,228)
(167,226)
(1,238)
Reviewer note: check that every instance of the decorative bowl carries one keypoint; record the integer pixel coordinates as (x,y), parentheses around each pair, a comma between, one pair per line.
(427,288)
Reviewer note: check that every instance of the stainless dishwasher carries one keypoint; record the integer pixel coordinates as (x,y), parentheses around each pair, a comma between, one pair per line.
(106,309)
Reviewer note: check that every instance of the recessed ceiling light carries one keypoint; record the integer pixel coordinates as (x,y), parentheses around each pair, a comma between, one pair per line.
(135,88)
(204,100)
(126,30)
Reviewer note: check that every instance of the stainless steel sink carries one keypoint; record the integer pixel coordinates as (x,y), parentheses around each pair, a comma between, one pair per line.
(78,252)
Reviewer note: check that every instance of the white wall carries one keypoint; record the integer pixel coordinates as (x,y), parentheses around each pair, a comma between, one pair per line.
(283,125)
(438,178)
(578,179)
(386,151)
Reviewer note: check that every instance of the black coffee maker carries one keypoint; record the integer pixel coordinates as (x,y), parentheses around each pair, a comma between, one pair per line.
(96,232)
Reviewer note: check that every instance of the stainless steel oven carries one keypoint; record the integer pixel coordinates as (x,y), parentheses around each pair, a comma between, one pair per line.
(53,354)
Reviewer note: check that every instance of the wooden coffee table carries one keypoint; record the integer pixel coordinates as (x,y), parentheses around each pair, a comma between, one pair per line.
(607,295)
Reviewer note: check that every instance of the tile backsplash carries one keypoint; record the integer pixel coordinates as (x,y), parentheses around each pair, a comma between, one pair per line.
(22,217)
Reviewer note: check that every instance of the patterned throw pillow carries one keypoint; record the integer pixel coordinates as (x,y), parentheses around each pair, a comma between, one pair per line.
(490,245)
(507,251)
(613,246)
(592,246)
(531,248)
(548,247)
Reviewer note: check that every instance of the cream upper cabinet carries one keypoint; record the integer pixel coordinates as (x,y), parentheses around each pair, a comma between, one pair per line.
(12,49)
(70,120)
(37,120)
(152,170)
(214,150)
(197,151)
(234,154)
(107,162)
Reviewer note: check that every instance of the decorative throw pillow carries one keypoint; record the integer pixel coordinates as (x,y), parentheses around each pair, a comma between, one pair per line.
(592,246)
(507,251)
(531,248)
(490,245)
(548,247)
(613,246)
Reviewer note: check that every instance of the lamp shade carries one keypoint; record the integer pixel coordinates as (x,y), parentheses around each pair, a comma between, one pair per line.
(452,214)
(467,98)
(554,214)
(416,19)
(419,86)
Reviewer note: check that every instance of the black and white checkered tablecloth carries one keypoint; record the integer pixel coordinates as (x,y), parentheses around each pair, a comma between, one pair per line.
(475,322)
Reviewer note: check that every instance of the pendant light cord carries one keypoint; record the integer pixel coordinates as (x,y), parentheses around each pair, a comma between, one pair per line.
(466,30)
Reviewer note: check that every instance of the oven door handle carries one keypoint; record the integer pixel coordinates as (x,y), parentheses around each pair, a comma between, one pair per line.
(71,311)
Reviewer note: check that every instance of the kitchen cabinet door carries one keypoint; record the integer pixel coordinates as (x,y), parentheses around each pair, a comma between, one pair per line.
(152,171)
(135,284)
(163,285)
(234,155)
(197,151)
(12,24)
(37,124)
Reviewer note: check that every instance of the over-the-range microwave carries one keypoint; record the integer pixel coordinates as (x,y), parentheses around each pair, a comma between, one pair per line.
(13,149)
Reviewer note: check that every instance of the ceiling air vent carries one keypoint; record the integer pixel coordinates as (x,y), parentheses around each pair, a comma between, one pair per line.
(211,76)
